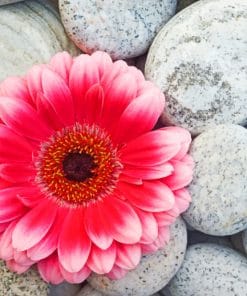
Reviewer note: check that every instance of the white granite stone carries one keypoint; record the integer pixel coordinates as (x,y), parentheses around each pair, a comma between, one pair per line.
(198,60)
(153,272)
(210,270)
(31,33)
(124,29)
(26,284)
(218,188)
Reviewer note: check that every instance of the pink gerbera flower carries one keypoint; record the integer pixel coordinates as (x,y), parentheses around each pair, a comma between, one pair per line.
(86,185)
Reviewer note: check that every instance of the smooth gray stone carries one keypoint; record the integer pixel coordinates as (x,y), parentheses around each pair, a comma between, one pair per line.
(218,188)
(153,272)
(210,270)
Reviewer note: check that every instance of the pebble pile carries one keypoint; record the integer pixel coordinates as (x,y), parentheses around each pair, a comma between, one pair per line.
(197,54)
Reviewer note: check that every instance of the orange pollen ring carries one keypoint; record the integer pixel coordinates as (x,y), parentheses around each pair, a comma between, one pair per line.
(78,165)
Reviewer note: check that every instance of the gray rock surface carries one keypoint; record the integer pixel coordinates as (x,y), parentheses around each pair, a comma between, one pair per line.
(124,29)
(210,270)
(26,284)
(199,60)
(218,188)
(153,272)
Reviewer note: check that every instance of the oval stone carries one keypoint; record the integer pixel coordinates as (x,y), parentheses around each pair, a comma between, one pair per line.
(153,272)
(218,188)
(124,29)
(210,270)
(199,59)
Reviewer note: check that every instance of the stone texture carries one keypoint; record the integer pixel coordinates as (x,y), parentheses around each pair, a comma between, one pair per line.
(64,289)
(199,60)
(27,284)
(153,272)
(30,33)
(218,188)
(124,29)
(210,270)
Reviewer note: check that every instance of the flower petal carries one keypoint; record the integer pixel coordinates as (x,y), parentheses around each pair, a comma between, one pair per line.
(59,96)
(6,248)
(13,147)
(50,271)
(96,226)
(181,176)
(182,199)
(17,172)
(76,277)
(152,196)
(102,261)
(123,221)
(23,119)
(116,273)
(139,117)
(128,256)
(166,218)
(15,267)
(73,245)
(34,226)
(22,258)
(152,148)
(61,63)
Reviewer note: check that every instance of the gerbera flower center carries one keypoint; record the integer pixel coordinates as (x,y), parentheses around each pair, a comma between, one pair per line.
(78,165)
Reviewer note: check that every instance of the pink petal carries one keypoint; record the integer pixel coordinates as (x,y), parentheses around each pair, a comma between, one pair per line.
(48,244)
(3,227)
(103,62)
(139,117)
(123,221)
(13,147)
(153,196)
(93,104)
(15,267)
(29,196)
(76,277)
(116,273)
(84,73)
(97,227)
(148,172)
(166,218)
(59,96)
(15,87)
(128,256)
(149,226)
(163,236)
(182,199)
(73,245)
(34,81)
(102,261)
(6,248)
(129,179)
(61,63)
(181,176)
(10,207)
(153,148)
(17,172)
(23,119)
(50,271)
(22,258)
(34,226)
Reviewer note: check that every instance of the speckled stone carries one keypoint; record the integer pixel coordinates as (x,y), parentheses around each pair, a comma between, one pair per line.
(199,60)
(153,272)
(4,2)
(211,270)
(244,236)
(219,188)
(26,284)
(31,33)
(64,289)
(196,237)
(124,29)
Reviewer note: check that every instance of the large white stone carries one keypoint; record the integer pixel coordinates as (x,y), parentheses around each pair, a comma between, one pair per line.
(153,272)
(218,188)
(30,33)
(210,270)
(124,29)
(199,60)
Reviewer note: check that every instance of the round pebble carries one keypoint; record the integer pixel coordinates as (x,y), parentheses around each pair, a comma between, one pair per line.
(199,60)
(30,33)
(26,284)
(153,272)
(210,270)
(244,236)
(218,188)
(124,29)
